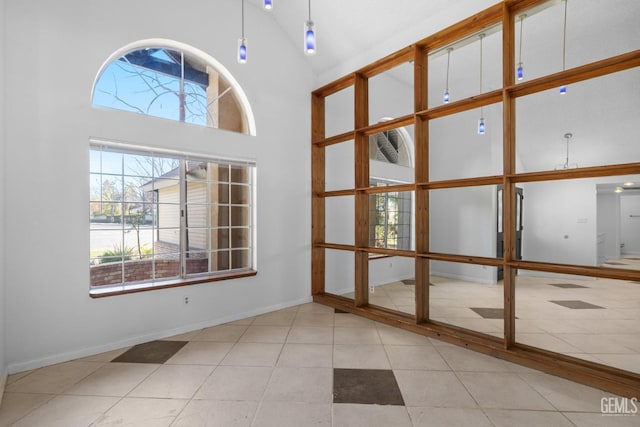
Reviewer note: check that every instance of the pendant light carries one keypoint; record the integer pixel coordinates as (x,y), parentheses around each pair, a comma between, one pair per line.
(520,70)
(567,165)
(268,4)
(310,44)
(563,88)
(445,97)
(242,42)
(481,124)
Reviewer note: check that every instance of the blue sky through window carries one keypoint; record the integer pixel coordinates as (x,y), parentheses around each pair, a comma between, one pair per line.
(128,87)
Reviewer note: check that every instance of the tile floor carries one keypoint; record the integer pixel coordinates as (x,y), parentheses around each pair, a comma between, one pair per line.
(302,366)
(594,319)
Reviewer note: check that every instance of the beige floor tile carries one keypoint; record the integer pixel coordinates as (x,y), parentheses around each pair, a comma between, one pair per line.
(54,379)
(277,318)
(566,395)
(501,390)
(68,411)
(293,414)
(433,388)
(511,418)
(309,385)
(462,359)
(450,417)
(356,336)
(628,362)
(315,308)
(140,412)
(187,336)
(235,383)
(17,405)
(310,335)
(416,357)
(15,377)
(395,336)
(313,319)
(252,354)
(306,356)
(348,320)
(360,357)
(265,334)
(207,413)
(113,379)
(349,415)
(590,343)
(242,322)
(546,342)
(201,353)
(173,382)
(584,419)
(222,333)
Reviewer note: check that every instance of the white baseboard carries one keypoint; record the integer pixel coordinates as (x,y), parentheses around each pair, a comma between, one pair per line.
(3,384)
(90,351)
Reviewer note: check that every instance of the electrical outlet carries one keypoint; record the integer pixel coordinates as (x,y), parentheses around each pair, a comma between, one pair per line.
(372,289)
(186,300)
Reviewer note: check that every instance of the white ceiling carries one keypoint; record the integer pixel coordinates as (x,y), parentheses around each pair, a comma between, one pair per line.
(354,33)
(370,29)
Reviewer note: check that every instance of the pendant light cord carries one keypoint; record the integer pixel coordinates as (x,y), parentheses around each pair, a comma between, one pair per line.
(448,59)
(520,50)
(564,37)
(481,38)
(309,10)
(242,18)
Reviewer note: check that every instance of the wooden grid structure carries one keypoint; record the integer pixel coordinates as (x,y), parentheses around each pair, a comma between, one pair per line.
(504,13)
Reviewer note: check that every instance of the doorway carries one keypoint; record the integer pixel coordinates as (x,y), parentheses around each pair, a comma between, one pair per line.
(519,227)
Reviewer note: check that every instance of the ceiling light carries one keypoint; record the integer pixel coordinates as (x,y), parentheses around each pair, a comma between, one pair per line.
(618,190)
(628,184)
(520,70)
(310,44)
(268,4)
(242,42)
(445,97)
(481,124)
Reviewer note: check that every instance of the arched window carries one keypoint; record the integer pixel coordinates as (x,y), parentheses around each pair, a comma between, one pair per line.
(168,79)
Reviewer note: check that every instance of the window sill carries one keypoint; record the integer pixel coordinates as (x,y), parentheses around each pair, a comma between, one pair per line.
(108,291)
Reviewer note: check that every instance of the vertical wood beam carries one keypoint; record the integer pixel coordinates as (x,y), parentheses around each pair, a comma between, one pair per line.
(317,202)
(509,166)
(361,119)
(421,166)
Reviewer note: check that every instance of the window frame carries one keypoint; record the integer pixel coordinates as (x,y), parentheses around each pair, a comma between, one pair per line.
(184,278)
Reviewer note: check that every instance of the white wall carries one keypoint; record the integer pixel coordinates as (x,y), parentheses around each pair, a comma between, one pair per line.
(55,50)
(630,226)
(3,364)
(608,205)
(560,224)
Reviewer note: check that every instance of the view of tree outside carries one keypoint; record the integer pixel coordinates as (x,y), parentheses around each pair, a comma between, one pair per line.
(147,90)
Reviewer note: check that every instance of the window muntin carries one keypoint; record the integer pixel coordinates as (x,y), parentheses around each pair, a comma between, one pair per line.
(157,218)
(390,218)
(173,83)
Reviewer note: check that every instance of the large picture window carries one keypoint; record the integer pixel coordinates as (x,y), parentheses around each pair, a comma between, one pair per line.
(167,219)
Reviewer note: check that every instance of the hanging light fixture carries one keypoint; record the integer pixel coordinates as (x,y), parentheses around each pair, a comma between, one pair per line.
(520,70)
(310,44)
(445,97)
(268,4)
(481,124)
(566,164)
(563,88)
(242,42)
